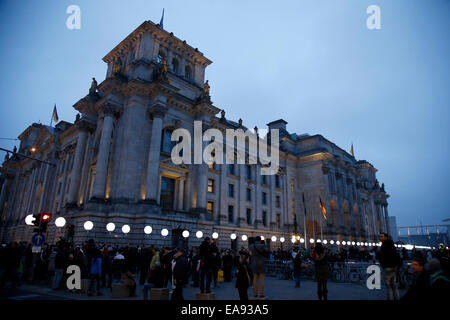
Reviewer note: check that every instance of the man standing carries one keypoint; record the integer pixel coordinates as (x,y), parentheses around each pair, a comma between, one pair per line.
(259,253)
(206,264)
(389,261)
(180,270)
(419,289)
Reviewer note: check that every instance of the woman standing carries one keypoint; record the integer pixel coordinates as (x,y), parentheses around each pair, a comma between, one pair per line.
(322,271)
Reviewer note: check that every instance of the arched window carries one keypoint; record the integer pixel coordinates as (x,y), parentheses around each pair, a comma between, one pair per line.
(188,72)
(167,144)
(161,56)
(175,65)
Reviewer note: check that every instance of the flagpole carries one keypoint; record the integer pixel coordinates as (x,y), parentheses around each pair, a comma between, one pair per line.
(321,235)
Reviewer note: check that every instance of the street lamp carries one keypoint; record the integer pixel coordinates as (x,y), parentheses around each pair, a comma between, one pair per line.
(274,239)
(148,230)
(110,227)
(60,222)
(164,232)
(199,234)
(126,228)
(185,234)
(244,237)
(88,225)
(215,235)
(233,236)
(29,220)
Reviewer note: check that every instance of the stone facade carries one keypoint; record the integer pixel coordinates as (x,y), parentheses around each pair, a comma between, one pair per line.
(113,165)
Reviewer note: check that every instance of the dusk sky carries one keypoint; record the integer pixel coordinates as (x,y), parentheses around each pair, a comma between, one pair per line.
(313,63)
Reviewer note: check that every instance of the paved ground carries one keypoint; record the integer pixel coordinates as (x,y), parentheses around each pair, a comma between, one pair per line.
(275,289)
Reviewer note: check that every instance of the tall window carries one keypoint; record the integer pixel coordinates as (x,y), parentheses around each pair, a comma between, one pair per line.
(277,181)
(249,216)
(264,217)
(210,207)
(167,144)
(331,184)
(277,201)
(264,198)
(175,65)
(249,194)
(278,220)
(231,190)
(264,179)
(231,169)
(188,72)
(211,185)
(161,56)
(230,214)
(248,170)
(292,184)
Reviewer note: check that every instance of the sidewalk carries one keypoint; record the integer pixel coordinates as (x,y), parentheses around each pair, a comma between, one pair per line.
(275,289)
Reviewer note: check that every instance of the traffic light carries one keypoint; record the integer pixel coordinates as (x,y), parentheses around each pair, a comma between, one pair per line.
(45,218)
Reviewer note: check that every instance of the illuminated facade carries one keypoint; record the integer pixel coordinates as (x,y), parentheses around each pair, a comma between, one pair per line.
(113,165)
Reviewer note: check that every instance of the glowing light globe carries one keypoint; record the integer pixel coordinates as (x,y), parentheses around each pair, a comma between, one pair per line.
(29,219)
(274,239)
(199,234)
(185,234)
(233,236)
(164,232)
(126,228)
(244,237)
(148,230)
(60,222)
(88,225)
(110,227)
(215,235)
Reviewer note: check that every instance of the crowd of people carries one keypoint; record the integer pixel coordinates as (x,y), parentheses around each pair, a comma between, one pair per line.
(204,266)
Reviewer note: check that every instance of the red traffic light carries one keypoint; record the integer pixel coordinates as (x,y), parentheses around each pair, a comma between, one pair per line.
(45,217)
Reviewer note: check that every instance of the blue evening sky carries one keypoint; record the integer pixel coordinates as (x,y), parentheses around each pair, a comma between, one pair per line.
(313,63)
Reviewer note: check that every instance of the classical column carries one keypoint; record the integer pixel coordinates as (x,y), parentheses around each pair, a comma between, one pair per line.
(151,192)
(223,194)
(242,218)
(180,193)
(272,201)
(3,197)
(75,176)
(101,169)
(258,200)
(202,184)
(386,217)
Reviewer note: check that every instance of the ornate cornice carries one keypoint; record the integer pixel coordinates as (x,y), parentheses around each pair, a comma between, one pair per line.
(159,34)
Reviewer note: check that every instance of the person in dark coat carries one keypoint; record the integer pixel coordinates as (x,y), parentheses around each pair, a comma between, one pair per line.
(322,270)
(195,267)
(298,268)
(243,278)
(227,265)
(166,263)
(390,262)
(259,252)
(439,282)
(206,251)
(180,270)
(419,289)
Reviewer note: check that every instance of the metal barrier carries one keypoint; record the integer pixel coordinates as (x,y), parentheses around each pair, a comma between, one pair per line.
(343,272)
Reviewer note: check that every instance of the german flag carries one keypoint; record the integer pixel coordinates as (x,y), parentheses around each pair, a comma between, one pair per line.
(324,211)
(55,114)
